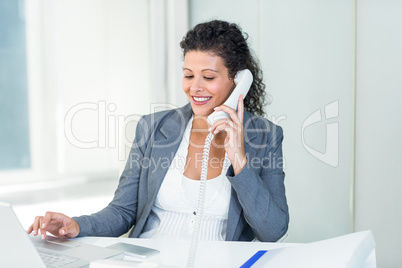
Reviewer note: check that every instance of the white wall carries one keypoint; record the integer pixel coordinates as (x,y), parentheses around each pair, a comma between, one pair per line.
(307,58)
(100,56)
(306,51)
(378,126)
(348,53)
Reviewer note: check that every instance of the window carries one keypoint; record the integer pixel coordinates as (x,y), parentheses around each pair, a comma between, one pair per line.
(14,119)
(58,55)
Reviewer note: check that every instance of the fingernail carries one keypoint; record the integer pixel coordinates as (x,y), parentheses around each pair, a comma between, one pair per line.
(43,236)
(35,232)
(63,232)
(43,225)
(209,129)
(216,108)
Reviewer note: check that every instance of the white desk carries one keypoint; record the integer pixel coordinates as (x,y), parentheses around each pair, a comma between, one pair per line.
(209,254)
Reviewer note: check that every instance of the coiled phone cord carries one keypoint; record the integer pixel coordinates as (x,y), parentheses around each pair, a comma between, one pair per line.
(201,199)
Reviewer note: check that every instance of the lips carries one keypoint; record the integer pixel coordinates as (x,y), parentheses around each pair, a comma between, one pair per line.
(200,100)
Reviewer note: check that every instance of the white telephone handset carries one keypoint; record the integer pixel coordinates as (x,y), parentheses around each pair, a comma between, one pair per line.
(243,82)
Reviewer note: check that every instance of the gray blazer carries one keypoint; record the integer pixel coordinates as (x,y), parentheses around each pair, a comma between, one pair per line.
(258,206)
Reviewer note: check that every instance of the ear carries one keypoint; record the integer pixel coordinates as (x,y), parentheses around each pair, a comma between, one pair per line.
(233,82)
(233,85)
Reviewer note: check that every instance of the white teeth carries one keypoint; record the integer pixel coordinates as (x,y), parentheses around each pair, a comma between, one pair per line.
(201,99)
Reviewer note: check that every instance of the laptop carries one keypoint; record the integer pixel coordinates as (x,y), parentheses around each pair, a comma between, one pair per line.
(18,249)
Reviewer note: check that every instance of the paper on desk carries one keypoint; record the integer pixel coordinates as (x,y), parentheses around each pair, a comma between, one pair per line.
(113,263)
(348,251)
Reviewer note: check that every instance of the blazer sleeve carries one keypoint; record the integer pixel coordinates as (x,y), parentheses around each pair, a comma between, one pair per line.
(119,216)
(260,190)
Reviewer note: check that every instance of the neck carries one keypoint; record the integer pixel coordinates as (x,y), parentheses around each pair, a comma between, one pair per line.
(200,127)
(200,123)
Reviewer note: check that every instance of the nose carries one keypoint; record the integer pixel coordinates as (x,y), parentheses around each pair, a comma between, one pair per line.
(196,85)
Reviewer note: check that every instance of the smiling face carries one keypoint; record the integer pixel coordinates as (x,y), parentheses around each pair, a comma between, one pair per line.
(206,81)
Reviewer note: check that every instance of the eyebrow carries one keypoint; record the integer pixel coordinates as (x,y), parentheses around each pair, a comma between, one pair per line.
(203,70)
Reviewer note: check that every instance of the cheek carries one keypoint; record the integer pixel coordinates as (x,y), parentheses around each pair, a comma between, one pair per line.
(217,88)
(185,85)
(228,89)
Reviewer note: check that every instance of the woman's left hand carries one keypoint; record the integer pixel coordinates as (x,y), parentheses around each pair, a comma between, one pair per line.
(234,141)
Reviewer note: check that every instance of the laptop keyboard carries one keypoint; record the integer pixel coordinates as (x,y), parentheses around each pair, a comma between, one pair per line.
(55,260)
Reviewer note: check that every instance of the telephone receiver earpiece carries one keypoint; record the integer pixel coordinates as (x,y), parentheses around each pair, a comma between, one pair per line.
(243,81)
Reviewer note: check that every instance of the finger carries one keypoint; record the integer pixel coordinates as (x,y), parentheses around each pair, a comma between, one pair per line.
(66,230)
(225,126)
(45,221)
(30,229)
(63,231)
(42,230)
(217,123)
(240,109)
(70,230)
(35,225)
(226,139)
(232,112)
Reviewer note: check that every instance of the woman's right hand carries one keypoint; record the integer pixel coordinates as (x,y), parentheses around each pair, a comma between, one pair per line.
(55,223)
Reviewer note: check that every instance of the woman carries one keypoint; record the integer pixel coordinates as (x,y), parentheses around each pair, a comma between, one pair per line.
(245,196)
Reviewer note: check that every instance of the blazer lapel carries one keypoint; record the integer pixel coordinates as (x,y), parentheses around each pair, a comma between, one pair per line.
(165,142)
(164,148)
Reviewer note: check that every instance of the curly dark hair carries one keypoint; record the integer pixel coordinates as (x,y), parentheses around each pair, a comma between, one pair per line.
(227,40)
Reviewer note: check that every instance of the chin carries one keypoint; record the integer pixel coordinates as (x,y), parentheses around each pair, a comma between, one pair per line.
(201,112)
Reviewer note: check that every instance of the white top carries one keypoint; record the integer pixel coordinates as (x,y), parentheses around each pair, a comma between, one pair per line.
(173,214)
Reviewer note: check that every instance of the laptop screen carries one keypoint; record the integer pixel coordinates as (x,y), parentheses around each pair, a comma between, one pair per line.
(16,247)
